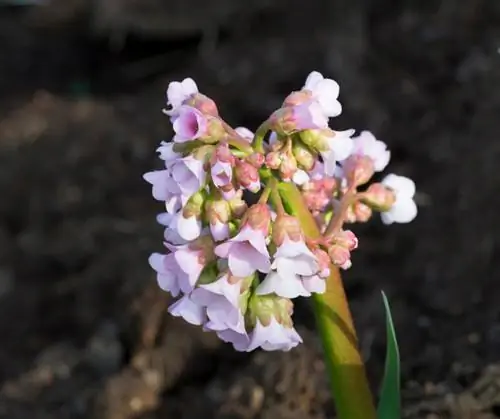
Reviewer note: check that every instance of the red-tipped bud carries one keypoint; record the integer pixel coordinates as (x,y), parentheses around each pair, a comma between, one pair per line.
(297,98)
(340,256)
(286,226)
(273,160)
(256,160)
(358,169)
(203,103)
(258,217)
(379,197)
(247,176)
(362,212)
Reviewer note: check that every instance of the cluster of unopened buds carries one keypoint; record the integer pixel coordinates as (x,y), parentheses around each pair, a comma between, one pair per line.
(235,266)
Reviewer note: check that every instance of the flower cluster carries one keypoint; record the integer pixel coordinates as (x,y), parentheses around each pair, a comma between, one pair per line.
(235,268)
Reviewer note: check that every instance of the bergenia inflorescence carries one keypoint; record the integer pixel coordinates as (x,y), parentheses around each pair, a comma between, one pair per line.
(235,267)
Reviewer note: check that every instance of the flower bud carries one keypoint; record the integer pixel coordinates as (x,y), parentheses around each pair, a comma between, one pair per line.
(358,169)
(308,115)
(256,160)
(340,256)
(237,205)
(273,160)
(222,162)
(203,103)
(218,213)
(362,212)
(317,139)
(378,197)
(286,226)
(194,206)
(215,131)
(247,176)
(323,262)
(297,98)
(258,217)
(204,245)
(346,238)
(288,166)
(304,156)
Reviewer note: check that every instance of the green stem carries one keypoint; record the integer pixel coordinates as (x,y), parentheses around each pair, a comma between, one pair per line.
(350,388)
(258,139)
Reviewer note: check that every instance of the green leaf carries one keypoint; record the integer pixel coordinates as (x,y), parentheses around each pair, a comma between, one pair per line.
(390,398)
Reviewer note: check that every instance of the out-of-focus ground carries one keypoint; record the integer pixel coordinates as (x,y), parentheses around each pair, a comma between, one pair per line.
(83,328)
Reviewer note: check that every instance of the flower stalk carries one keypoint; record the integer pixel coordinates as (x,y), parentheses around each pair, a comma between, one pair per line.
(346,370)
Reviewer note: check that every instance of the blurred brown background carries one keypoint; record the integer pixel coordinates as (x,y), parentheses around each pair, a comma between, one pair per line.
(83,329)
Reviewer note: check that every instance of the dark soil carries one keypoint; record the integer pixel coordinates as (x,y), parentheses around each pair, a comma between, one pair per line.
(83,327)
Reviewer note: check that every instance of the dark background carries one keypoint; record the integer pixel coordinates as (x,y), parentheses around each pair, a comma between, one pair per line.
(83,329)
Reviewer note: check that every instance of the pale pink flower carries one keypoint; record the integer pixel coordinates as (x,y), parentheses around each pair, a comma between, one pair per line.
(221,299)
(171,235)
(326,92)
(189,174)
(284,286)
(167,153)
(179,92)
(247,176)
(189,228)
(222,163)
(403,209)
(365,144)
(247,251)
(189,124)
(170,275)
(291,119)
(340,147)
(239,341)
(187,309)
(273,337)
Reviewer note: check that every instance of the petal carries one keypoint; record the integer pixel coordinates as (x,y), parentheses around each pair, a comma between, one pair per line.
(240,260)
(188,310)
(287,287)
(219,231)
(404,210)
(314,284)
(189,228)
(300,177)
(401,185)
(313,79)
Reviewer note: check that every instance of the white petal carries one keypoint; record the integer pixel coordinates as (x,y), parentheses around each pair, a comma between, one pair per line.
(189,228)
(401,185)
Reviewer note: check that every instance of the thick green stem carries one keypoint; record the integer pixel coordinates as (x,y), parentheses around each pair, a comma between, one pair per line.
(258,139)
(350,388)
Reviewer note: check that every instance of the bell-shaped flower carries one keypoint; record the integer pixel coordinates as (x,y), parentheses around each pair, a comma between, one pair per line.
(178,93)
(189,124)
(404,208)
(186,308)
(365,144)
(326,92)
(247,251)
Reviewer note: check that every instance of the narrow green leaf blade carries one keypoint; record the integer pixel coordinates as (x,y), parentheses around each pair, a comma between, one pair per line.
(390,395)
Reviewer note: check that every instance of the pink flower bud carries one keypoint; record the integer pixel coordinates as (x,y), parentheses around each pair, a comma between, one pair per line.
(258,217)
(289,120)
(218,213)
(288,166)
(287,226)
(222,163)
(247,176)
(379,197)
(203,103)
(256,160)
(304,156)
(358,169)
(346,238)
(340,256)
(273,160)
(297,98)
(362,212)
(238,205)
(323,262)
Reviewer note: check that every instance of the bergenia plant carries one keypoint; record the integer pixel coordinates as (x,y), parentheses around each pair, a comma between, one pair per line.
(254,220)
